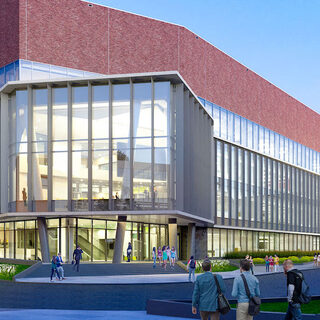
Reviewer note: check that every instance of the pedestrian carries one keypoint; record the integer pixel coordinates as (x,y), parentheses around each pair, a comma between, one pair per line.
(267,263)
(129,251)
(251,264)
(294,287)
(54,268)
(173,256)
(164,257)
(315,259)
(276,263)
(318,259)
(271,263)
(169,255)
(59,265)
(24,196)
(154,256)
(160,255)
(191,267)
(239,290)
(205,293)
(77,256)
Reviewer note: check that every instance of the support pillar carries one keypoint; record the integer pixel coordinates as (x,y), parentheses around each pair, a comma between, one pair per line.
(173,230)
(191,240)
(118,247)
(43,236)
(70,243)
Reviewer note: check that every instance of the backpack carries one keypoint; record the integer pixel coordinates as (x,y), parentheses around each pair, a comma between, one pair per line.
(305,296)
(192,264)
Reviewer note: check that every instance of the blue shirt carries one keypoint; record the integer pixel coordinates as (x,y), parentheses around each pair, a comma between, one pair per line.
(239,291)
(205,293)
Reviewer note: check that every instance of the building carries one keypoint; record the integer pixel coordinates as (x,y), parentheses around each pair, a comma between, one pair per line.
(134,129)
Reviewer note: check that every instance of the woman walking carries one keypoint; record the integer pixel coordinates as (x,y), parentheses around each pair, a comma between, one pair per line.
(169,255)
(315,259)
(154,256)
(251,264)
(271,262)
(318,260)
(267,263)
(159,255)
(164,257)
(54,268)
(173,256)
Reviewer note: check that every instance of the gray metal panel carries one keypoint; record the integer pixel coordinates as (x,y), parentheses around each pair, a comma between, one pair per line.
(4,99)
(261,191)
(271,195)
(29,147)
(179,102)
(230,184)
(222,183)
(266,187)
(276,213)
(152,145)
(110,145)
(89,146)
(131,145)
(69,147)
(49,87)
(281,197)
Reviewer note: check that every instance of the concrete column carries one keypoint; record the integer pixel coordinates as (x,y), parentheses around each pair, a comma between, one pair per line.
(118,247)
(191,240)
(172,228)
(70,246)
(43,236)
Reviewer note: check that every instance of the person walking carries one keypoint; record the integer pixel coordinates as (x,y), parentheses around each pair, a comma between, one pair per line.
(164,257)
(169,255)
(154,256)
(294,287)
(129,251)
(271,263)
(173,256)
(239,290)
(251,264)
(160,255)
(318,264)
(77,256)
(59,265)
(205,293)
(276,263)
(191,267)
(315,259)
(267,263)
(54,268)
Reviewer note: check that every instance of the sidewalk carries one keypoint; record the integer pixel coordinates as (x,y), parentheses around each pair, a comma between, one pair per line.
(147,278)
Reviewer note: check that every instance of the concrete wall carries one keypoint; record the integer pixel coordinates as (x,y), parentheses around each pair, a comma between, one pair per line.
(201,243)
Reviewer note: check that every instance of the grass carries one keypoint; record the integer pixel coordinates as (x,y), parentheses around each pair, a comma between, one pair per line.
(311,308)
(8,271)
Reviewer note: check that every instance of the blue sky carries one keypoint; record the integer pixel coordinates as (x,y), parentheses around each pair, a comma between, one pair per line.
(278,39)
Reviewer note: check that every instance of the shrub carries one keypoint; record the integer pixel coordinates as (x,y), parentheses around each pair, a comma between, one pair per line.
(262,254)
(258,261)
(294,259)
(216,266)
(281,260)
(306,259)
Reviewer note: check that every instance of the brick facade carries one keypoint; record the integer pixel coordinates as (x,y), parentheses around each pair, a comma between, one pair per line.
(73,34)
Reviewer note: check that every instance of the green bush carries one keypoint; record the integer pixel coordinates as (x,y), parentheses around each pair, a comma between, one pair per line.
(217,266)
(258,261)
(294,259)
(8,271)
(262,254)
(281,260)
(306,259)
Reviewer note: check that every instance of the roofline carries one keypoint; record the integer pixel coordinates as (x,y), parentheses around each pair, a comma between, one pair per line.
(211,44)
(11,85)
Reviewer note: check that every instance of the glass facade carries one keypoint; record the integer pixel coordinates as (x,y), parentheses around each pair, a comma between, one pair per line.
(259,192)
(229,126)
(222,241)
(109,147)
(31,70)
(20,239)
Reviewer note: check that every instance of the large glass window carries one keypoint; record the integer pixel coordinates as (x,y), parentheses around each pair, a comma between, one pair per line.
(79,113)
(60,114)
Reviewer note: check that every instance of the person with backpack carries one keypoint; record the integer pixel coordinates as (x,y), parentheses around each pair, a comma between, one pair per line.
(191,267)
(297,289)
(207,289)
(245,289)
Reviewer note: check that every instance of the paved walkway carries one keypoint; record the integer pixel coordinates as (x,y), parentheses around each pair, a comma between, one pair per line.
(150,275)
(40,314)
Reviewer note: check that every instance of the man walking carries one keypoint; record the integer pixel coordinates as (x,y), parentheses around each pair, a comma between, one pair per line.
(205,293)
(294,287)
(77,256)
(129,251)
(239,291)
(59,265)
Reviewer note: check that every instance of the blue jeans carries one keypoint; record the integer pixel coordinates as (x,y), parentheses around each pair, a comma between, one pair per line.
(267,267)
(191,272)
(154,261)
(293,312)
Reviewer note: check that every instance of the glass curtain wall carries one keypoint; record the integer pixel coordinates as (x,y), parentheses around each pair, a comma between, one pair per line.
(259,192)
(124,158)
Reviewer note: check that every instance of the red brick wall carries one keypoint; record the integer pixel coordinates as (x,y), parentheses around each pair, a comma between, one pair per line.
(9,31)
(98,39)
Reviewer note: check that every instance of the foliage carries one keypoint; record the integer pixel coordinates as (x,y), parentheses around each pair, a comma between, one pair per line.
(262,254)
(281,260)
(306,259)
(217,266)
(258,261)
(294,259)
(8,271)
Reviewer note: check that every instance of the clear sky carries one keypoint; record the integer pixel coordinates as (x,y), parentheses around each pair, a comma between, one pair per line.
(278,39)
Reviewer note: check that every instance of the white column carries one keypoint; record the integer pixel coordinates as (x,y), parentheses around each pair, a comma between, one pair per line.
(118,247)
(43,236)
